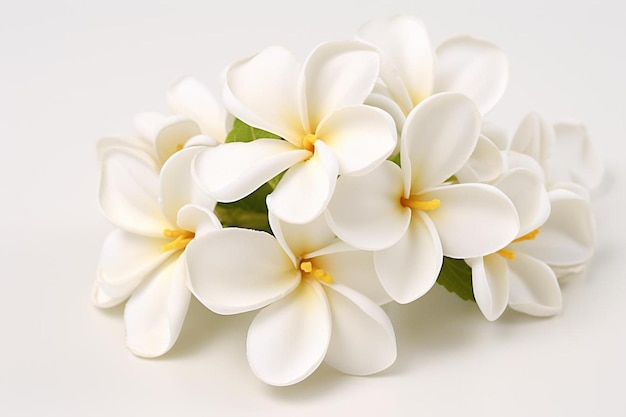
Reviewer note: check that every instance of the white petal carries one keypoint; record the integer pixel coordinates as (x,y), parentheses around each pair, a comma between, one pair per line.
(129,143)
(533,287)
(360,136)
(496,134)
(438,138)
(484,165)
(473,219)
(288,340)
(574,157)
(300,239)
(408,269)
(513,160)
(100,298)
(236,270)
(303,192)
(128,193)
(155,312)
(391,107)
(125,259)
(528,194)
(490,284)
(535,138)
(197,219)
(231,171)
(147,125)
(472,67)
(568,236)
(406,57)
(337,75)
(354,269)
(362,341)
(366,212)
(263,92)
(177,186)
(188,97)
(173,135)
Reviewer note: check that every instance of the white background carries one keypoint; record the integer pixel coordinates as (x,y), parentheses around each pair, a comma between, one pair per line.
(71,72)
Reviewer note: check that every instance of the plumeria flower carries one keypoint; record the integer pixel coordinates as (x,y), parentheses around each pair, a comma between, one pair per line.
(411,216)
(156,214)
(317,108)
(319,298)
(410,71)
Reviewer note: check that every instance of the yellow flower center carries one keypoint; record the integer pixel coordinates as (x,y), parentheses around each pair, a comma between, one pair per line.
(414,202)
(310,270)
(179,147)
(308,142)
(508,253)
(180,239)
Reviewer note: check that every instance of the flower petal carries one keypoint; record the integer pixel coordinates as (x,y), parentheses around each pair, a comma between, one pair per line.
(490,284)
(197,219)
(231,171)
(173,134)
(126,259)
(236,270)
(177,187)
(303,192)
(354,269)
(408,269)
(528,194)
(288,340)
(128,193)
(534,288)
(473,67)
(130,143)
(336,75)
(574,157)
(301,239)
(387,104)
(363,341)
(188,97)
(366,212)
(535,138)
(406,57)
(101,299)
(438,138)
(568,236)
(155,312)
(263,92)
(360,136)
(496,134)
(473,219)
(484,165)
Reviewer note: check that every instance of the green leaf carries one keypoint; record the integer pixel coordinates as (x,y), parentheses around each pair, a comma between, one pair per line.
(242,132)
(456,277)
(395,159)
(250,212)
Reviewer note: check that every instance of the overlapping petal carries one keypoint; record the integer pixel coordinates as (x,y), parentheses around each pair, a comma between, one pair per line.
(304,191)
(535,138)
(336,75)
(288,340)
(361,137)
(236,270)
(198,219)
(534,288)
(408,269)
(363,341)
(155,312)
(297,240)
(473,219)
(490,284)
(574,157)
(484,165)
(231,171)
(378,220)
(440,124)
(473,67)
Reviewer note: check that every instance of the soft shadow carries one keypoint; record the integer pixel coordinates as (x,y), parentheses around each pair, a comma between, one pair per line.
(322,381)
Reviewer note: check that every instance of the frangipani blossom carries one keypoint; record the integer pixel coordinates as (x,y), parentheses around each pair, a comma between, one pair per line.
(317,108)
(319,299)
(410,216)
(143,258)
(410,72)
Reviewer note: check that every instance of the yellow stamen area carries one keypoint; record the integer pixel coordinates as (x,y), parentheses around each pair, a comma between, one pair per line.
(414,203)
(308,141)
(317,273)
(181,239)
(506,253)
(179,147)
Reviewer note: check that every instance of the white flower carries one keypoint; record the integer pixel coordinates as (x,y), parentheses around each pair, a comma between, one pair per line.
(411,72)
(144,256)
(317,109)
(410,216)
(316,294)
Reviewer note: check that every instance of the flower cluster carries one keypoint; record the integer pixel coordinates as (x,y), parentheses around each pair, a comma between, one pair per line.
(318,191)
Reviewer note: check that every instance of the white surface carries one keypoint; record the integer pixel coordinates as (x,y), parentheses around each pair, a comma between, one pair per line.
(71,73)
